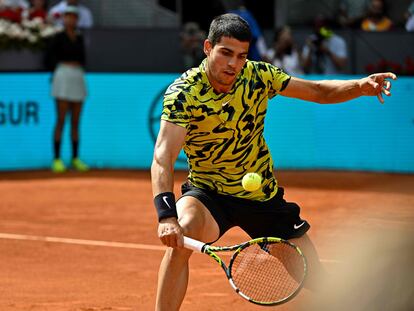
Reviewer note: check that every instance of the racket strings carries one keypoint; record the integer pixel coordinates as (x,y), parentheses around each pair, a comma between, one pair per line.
(268,272)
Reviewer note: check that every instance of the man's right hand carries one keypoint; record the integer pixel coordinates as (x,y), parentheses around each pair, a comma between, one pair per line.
(170,232)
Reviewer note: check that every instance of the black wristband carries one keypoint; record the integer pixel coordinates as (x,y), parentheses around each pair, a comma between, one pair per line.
(165,205)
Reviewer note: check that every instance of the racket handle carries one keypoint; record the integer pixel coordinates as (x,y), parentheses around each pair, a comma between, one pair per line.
(193,244)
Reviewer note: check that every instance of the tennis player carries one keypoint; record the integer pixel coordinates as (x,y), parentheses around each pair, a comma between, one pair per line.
(216,114)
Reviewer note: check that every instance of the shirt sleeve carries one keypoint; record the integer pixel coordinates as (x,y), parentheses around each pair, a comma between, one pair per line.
(338,47)
(176,108)
(51,53)
(86,19)
(274,78)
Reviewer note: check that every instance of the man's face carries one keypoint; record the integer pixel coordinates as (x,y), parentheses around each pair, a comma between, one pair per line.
(70,20)
(38,3)
(225,61)
(376,7)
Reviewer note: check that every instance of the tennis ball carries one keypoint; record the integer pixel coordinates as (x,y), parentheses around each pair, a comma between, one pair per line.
(251,181)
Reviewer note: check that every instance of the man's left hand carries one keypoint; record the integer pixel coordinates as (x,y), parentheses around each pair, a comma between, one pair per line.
(377,84)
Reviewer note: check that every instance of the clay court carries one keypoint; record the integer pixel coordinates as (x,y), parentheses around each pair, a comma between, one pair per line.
(87,242)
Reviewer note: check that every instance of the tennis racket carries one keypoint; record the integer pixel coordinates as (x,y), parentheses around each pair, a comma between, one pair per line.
(265,271)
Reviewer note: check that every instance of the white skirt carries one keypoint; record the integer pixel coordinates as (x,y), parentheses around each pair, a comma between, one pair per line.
(69,83)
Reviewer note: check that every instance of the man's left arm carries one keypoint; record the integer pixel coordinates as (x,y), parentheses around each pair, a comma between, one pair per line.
(337,91)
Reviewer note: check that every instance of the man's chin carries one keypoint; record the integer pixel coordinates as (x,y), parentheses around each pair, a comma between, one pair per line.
(227,81)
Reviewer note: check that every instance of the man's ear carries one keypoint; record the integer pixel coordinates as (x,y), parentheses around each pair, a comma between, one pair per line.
(207,47)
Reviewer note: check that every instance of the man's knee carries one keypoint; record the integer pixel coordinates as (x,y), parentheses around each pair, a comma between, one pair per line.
(196,220)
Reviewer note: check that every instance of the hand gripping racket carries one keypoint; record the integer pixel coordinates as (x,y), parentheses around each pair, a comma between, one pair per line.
(265,271)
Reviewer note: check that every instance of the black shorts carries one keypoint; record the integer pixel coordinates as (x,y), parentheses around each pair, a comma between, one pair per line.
(275,217)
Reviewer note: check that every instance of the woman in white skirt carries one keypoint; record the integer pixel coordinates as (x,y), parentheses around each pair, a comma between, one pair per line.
(66,58)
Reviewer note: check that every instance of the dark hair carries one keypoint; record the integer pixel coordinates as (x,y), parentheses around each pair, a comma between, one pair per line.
(229,25)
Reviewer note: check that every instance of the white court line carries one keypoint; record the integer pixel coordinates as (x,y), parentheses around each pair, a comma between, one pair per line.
(25,237)
(391,221)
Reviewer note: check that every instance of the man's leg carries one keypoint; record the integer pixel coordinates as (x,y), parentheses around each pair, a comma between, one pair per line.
(62,108)
(197,222)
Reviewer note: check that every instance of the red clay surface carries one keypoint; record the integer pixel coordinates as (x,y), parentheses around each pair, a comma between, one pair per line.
(117,206)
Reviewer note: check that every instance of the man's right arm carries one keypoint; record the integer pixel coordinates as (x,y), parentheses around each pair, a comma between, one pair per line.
(169,143)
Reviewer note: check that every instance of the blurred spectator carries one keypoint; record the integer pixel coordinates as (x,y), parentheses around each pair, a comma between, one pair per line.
(325,52)
(192,43)
(409,25)
(352,12)
(85,19)
(376,18)
(38,8)
(258,48)
(65,56)
(12,10)
(284,53)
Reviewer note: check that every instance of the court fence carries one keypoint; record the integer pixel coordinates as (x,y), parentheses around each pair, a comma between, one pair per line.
(121,119)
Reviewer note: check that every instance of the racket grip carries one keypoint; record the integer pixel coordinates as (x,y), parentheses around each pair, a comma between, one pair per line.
(193,244)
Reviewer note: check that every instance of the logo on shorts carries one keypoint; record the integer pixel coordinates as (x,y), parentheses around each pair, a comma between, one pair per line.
(296,227)
(164,198)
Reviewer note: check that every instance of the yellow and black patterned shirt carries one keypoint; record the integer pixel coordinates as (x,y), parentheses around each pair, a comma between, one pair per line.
(225,130)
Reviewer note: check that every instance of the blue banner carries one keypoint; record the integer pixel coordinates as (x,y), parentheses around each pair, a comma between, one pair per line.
(120,121)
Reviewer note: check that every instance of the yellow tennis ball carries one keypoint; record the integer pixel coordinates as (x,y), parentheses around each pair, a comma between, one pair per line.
(251,182)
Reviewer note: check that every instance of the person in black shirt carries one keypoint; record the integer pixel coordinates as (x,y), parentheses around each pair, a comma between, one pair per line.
(65,56)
